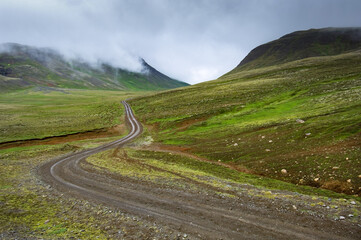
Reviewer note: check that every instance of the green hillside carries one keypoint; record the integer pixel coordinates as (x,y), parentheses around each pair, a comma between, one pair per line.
(23,67)
(297,121)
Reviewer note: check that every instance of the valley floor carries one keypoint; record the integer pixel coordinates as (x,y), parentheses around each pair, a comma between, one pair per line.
(153,192)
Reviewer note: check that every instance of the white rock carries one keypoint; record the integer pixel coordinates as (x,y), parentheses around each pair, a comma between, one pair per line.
(350,215)
(353,202)
(236,144)
(284,171)
(300,121)
(342,218)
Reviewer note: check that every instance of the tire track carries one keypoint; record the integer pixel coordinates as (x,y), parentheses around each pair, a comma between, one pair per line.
(209,216)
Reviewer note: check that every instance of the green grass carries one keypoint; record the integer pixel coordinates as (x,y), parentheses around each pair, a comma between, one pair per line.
(30,209)
(25,208)
(172,169)
(34,114)
(250,118)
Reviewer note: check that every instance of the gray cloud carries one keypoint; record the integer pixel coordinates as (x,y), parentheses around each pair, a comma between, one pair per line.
(191,40)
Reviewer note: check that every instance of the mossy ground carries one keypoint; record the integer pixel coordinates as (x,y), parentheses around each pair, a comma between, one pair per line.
(34,114)
(303,116)
(31,209)
(187,174)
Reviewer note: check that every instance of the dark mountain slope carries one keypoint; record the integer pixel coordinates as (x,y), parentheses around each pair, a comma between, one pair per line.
(23,66)
(303,44)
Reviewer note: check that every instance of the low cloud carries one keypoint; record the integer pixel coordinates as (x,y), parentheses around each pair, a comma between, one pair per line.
(188,40)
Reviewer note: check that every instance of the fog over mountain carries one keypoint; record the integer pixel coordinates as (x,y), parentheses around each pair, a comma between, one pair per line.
(189,40)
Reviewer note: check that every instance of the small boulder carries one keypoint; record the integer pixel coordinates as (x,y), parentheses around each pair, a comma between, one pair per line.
(300,121)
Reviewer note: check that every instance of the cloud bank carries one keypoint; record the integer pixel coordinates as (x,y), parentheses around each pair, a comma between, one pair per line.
(189,40)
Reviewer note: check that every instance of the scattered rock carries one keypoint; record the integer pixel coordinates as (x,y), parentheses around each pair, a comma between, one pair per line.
(316,179)
(350,215)
(284,171)
(270,141)
(263,137)
(348,180)
(359,176)
(353,202)
(236,144)
(268,150)
(335,168)
(294,207)
(342,218)
(346,158)
(308,134)
(46,221)
(300,121)
(301,181)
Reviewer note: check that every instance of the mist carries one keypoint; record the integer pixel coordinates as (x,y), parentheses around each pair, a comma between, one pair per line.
(188,40)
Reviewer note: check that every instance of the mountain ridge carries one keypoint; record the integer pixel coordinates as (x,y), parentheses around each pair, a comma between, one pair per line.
(302,44)
(24,66)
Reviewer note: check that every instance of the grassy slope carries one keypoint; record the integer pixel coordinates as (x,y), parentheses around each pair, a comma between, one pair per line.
(303,44)
(26,67)
(36,114)
(250,118)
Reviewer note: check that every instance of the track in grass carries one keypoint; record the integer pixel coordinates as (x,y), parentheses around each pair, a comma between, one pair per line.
(203,216)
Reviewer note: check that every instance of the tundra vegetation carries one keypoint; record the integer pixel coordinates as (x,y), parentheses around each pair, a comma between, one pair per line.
(302,117)
(286,134)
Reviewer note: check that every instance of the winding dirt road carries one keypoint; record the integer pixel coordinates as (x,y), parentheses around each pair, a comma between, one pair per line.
(204,216)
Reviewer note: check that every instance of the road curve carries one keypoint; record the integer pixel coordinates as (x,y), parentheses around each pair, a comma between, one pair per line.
(207,217)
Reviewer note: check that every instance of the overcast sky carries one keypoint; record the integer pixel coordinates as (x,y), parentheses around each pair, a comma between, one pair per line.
(190,40)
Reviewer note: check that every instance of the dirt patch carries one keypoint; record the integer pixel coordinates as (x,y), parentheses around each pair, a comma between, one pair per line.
(184,152)
(187,123)
(98,133)
(338,186)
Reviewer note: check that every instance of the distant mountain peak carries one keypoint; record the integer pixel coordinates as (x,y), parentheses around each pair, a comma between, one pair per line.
(303,44)
(28,66)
